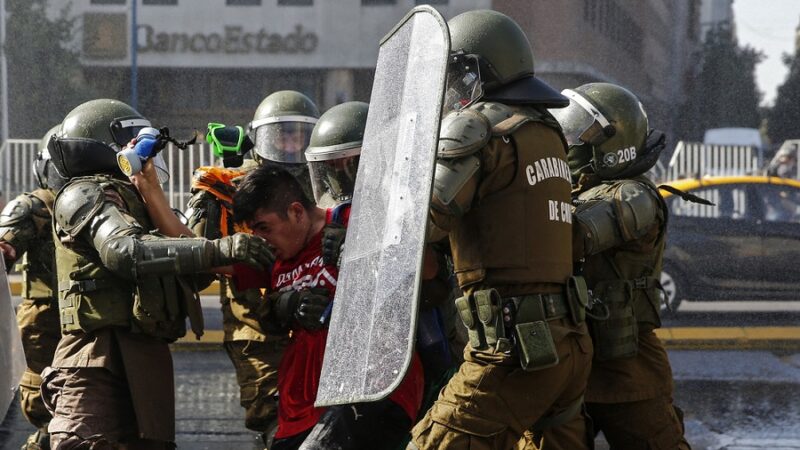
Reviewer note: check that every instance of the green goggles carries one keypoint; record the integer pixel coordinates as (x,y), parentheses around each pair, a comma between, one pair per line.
(227,141)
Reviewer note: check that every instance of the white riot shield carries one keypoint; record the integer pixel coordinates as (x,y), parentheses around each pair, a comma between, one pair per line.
(12,357)
(371,335)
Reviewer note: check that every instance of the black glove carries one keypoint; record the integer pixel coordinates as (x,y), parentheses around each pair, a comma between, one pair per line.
(333,235)
(306,306)
(243,247)
(310,308)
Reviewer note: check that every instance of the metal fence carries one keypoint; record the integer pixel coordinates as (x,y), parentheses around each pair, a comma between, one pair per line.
(17,156)
(694,160)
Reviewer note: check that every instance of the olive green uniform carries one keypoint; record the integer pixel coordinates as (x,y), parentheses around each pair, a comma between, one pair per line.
(629,397)
(25,224)
(255,356)
(515,240)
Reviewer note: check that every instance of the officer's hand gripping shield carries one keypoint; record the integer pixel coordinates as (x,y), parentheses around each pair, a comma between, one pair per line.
(371,335)
(12,356)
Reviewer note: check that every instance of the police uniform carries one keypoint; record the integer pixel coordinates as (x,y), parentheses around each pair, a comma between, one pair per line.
(254,355)
(629,397)
(512,257)
(25,225)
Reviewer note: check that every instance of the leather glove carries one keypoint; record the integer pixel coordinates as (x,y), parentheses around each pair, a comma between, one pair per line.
(245,248)
(306,307)
(310,308)
(333,235)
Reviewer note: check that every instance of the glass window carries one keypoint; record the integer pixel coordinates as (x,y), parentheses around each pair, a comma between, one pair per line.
(295,2)
(432,2)
(378,2)
(108,2)
(730,202)
(159,2)
(781,203)
(243,2)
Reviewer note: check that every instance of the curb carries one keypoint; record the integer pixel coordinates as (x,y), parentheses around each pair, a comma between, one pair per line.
(677,338)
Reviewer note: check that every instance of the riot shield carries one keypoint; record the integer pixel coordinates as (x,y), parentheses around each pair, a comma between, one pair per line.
(371,334)
(12,357)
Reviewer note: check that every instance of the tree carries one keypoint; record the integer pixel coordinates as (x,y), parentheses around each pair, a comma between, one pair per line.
(784,118)
(45,79)
(724,93)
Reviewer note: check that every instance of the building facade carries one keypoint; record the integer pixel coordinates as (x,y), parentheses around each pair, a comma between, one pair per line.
(644,45)
(215,60)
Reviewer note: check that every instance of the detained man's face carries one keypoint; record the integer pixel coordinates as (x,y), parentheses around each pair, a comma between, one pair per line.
(285,234)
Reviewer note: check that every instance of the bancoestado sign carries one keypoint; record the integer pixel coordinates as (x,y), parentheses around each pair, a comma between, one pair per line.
(233,40)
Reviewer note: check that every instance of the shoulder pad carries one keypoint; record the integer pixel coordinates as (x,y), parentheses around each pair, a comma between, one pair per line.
(43,202)
(77,203)
(16,211)
(463,133)
(506,119)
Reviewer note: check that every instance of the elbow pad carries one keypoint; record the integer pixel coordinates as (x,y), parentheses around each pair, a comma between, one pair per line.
(454,185)
(624,216)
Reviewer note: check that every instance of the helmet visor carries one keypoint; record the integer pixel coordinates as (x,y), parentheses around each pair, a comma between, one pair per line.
(581,122)
(463,83)
(126,128)
(337,177)
(283,140)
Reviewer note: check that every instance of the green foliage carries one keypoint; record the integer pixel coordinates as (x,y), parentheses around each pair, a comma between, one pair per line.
(45,78)
(724,93)
(783,120)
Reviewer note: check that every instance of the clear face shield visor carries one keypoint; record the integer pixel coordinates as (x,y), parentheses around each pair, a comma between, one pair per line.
(334,175)
(282,139)
(464,85)
(581,122)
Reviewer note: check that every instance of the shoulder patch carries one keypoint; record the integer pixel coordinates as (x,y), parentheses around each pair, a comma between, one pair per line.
(16,211)
(76,204)
(463,133)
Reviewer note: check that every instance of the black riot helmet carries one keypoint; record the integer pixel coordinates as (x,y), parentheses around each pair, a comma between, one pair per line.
(491,58)
(45,173)
(90,137)
(334,150)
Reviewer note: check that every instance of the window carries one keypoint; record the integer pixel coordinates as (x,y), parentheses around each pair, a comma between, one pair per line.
(377,2)
(432,2)
(781,203)
(159,2)
(295,2)
(108,2)
(730,202)
(243,2)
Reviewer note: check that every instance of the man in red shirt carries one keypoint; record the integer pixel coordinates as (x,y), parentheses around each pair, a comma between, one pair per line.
(272,204)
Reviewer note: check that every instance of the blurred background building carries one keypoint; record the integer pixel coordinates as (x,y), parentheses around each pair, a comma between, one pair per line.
(215,60)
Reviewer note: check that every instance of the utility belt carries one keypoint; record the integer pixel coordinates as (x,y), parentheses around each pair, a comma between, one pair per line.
(620,310)
(522,321)
(152,308)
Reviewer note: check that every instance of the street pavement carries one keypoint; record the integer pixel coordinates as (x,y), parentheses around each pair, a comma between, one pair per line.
(738,398)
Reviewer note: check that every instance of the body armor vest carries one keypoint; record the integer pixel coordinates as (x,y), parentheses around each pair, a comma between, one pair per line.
(516,237)
(38,272)
(93,297)
(626,280)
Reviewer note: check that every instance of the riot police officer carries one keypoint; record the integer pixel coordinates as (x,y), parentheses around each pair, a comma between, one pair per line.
(502,194)
(123,291)
(620,225)
(26,231)
(280,132)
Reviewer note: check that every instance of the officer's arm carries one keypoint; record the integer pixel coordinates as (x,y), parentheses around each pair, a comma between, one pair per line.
(204,215)
(17,227)
(84,211)
(632,213)
(156,202)
(461,137)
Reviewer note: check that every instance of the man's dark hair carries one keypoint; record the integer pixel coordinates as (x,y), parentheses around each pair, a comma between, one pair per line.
(268,187)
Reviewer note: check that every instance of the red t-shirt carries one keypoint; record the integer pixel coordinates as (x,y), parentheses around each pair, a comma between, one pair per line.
(301,364)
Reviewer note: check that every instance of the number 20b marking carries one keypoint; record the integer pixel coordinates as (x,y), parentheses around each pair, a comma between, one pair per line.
(626,154)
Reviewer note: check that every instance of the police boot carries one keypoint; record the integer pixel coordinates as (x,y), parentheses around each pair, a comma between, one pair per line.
(40,440)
